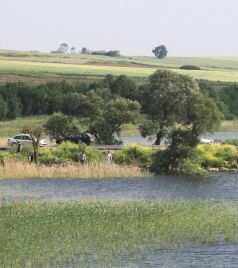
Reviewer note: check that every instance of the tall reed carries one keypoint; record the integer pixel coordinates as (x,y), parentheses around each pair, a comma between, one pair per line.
(23,170)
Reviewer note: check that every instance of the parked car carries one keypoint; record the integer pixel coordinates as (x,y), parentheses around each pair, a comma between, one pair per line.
(24,139)
(86,138)
(206,141)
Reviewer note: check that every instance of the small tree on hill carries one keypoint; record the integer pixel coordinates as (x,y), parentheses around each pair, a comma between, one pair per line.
(63,48)
(160,51)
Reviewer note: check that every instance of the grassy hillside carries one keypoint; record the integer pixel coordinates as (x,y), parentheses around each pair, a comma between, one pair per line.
(37,67)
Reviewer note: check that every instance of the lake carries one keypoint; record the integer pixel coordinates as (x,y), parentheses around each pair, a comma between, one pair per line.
(216,187)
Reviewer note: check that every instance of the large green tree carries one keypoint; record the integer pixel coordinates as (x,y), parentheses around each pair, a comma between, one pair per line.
(107,126)
(174,101)
(60,125)
(163,102)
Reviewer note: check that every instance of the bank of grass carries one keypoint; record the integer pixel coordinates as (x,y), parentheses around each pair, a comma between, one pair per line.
(22,170)
(36,234)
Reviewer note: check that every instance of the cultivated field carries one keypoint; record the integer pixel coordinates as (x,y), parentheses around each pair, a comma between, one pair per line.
(36,67)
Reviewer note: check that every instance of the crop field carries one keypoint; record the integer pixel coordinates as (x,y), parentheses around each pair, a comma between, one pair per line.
(36,67)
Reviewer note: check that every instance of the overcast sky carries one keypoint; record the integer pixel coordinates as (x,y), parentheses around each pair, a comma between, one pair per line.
(135,27)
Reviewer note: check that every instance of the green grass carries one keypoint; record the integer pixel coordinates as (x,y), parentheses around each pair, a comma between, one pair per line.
(229,125)
(32,235)
(13,127)
(36,67)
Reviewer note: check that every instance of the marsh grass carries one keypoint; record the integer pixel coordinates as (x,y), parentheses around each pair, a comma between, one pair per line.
(23,170)
(34,234)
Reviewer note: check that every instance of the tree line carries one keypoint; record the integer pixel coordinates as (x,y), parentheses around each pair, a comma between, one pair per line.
(169,105)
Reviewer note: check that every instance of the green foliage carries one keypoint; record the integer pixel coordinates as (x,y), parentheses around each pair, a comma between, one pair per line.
(160,52)
(217,155)
(115,113)
(96,231)
(185,160)
(189,167)
(133,154)
(59,125)
(69,152)
(124,87)
(189,67)
(3,108)
(181,160)
(225,96)
(165,101)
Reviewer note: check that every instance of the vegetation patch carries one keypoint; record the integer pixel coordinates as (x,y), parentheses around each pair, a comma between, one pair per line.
(134,155)
(35,234)
(190,67)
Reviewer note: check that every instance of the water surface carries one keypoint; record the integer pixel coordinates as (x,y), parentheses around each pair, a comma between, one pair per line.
(216,186)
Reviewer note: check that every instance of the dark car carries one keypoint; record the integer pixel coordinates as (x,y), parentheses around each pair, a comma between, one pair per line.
(86,138)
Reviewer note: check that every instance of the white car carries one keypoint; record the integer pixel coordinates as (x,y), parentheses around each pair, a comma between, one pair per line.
(206,141)
(24,138)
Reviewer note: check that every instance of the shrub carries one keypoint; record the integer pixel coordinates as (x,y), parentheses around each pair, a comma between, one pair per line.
(133,154)
(217,155)
(191,168)
(190,67)
(68,151)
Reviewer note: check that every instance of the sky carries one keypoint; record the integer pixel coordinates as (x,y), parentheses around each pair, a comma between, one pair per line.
(135,27)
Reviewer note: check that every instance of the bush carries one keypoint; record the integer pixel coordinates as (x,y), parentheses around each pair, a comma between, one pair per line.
(133,154)
(217,155)
(190,67)
(191,168)
(68,151)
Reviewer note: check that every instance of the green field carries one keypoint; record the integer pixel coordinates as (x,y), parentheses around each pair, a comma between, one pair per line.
(40,234)
(39,67)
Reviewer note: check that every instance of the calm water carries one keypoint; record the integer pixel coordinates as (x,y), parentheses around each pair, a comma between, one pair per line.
(220,255)
(216,187)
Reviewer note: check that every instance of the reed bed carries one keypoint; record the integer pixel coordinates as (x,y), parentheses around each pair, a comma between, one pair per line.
(43,234)
(23,170)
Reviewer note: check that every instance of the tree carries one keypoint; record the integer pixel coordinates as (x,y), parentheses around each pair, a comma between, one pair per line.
(63,48)
(59,125)
(2,108)
(160,52)
(84,50)
(35,131)
(115,113)
(124,87)
(163,102)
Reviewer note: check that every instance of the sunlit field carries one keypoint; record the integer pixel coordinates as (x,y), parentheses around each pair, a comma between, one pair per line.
(42,67)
